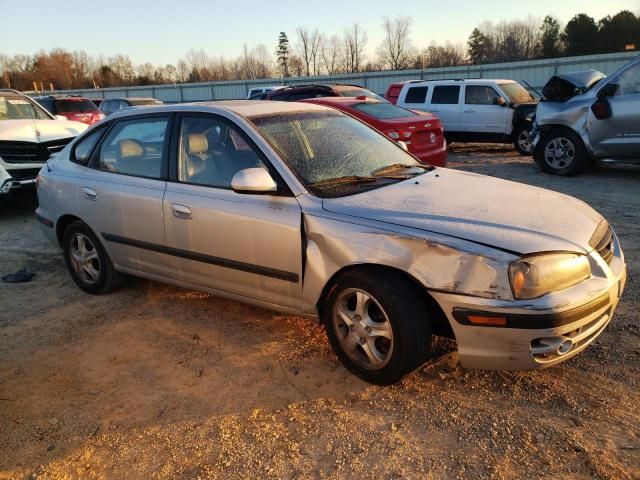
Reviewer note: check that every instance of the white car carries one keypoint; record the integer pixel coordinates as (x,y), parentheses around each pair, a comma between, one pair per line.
(476,110)
(29,135)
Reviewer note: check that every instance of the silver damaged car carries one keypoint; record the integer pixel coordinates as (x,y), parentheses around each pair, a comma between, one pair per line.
(585,117)
(302,209)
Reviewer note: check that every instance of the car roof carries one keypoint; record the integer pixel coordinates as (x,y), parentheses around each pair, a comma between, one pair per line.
(243,108)
(340,100)
(128,98)
(461,81)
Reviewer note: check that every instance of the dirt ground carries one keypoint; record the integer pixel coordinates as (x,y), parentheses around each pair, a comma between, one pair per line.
(154,381)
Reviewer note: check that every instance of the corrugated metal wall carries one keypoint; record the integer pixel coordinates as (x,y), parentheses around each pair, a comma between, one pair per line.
(534,72)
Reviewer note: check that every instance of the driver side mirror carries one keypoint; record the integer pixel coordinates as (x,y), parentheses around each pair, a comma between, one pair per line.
(501,101)
(60,117)
(253,180)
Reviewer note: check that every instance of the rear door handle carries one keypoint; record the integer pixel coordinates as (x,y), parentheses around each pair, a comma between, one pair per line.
(180,211)
(89,194)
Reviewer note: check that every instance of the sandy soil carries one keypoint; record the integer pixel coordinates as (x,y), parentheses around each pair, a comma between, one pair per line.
(153,381)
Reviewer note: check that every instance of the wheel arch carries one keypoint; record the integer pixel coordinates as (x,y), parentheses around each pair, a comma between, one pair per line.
(440,322)
(62,223)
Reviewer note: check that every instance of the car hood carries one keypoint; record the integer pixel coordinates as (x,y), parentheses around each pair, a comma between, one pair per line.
(25,130)
(562,87)
(509,216)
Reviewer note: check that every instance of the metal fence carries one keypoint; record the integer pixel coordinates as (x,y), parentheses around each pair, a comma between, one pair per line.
(534,72)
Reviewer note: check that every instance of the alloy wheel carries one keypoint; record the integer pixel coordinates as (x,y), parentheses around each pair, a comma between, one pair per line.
(84,258)
(363,328)
(559,153)
(524,140)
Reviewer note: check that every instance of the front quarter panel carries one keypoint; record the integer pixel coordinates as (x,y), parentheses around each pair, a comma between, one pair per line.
(333,244)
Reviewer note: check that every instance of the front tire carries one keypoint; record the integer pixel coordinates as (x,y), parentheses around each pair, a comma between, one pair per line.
(87,260)
(561,152)
(522,139)
(377,324)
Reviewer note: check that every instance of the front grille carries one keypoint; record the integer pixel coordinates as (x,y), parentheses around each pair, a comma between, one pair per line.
(24,173)
(602,241)
(30,152)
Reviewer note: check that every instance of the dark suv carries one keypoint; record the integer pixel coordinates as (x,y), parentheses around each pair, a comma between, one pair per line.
(110,105)
(302,92)
(75,108)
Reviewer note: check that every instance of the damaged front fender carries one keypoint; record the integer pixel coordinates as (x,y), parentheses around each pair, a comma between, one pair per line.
(333,245)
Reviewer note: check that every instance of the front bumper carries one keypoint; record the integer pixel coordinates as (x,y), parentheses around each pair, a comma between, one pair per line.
(15,180)
(566,328)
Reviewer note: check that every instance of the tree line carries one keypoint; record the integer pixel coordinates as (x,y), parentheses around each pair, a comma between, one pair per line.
(311,52)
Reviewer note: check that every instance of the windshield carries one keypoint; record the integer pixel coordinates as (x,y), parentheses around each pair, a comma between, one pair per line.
(145,101)
(383,110)
(360,92)
(334,154)
(68,105)
(19,108)
(516,93)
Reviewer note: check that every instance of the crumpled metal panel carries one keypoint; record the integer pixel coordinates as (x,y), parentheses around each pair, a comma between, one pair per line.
(333,245)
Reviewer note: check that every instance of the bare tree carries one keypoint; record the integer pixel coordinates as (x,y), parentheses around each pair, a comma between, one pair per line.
(396,51)
(330,52)
(308,47)
(355,42)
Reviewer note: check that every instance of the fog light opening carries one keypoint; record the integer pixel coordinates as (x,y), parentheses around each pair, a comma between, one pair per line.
(565,347)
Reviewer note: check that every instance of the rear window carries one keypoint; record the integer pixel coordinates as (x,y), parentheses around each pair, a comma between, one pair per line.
(416,95)
(383,110)
(445,95)
(74,105)
(145,101)
(358,92)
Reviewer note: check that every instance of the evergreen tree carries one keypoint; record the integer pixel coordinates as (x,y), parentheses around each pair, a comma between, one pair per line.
(479,47)
(616,32)
(580,35)
(283,54)
(550,38)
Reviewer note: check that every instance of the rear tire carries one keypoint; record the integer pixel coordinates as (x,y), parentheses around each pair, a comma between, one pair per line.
(522,139)
(87,261)
(561,152)
(377,325)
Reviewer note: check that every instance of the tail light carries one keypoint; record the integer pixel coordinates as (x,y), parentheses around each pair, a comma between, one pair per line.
(397,135)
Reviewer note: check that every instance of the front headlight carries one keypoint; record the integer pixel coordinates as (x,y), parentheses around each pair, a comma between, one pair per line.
(537,275)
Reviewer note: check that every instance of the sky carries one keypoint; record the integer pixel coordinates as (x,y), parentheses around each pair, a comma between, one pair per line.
(162,31)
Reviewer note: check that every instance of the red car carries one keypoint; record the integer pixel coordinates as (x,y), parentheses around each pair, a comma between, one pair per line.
(78,109)
(422,132)
(393,90)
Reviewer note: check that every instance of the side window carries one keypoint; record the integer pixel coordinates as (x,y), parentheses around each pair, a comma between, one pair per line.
(211,152)
(305,94)
(445,95)
(135,147)
(629,82)
(480,95)
(82,151)
(106,106)
(280,96)
(416,95)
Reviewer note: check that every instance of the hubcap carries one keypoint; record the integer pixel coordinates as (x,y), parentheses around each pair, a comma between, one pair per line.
(363,329)
(84,258)
(524,141)
(559,152)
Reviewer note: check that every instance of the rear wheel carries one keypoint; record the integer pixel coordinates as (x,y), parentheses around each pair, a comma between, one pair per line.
(377,325)
(87,261)
(561,152)
(522,139)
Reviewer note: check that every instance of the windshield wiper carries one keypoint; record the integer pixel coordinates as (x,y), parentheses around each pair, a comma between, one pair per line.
(345,179)
(397,166)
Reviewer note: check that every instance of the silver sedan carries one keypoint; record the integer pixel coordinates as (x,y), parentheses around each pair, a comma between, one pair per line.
(302,209)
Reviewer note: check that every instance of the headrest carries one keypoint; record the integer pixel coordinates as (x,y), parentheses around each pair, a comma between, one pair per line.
(130,148)
(196,143)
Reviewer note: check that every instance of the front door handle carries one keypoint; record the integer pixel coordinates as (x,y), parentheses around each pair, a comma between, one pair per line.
(89,194)
(469,111)
(180,211)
